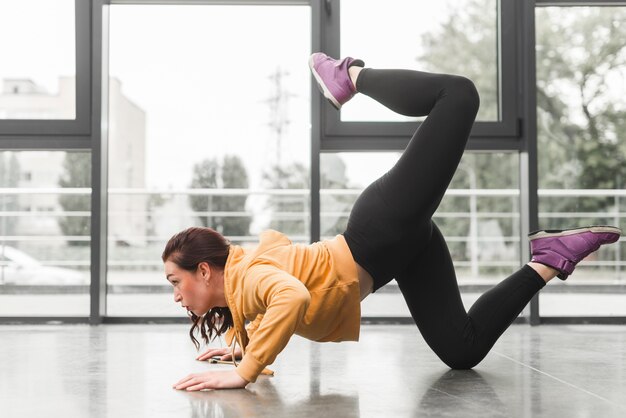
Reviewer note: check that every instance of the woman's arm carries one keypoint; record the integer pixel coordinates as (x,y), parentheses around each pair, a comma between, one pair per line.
(252,326)
(284,300)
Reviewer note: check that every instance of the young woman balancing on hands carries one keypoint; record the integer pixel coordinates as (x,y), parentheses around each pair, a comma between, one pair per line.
(315,290)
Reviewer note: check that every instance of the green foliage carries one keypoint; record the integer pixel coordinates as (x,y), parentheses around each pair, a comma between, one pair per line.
(466,45)
(229,174)
(76,173)
(334,206)
(290,213)
(580,125)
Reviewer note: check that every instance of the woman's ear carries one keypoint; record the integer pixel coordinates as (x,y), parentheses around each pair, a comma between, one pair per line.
(205,271)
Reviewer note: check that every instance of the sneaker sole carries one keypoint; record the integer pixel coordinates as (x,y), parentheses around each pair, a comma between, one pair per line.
(322,87)
(598,229)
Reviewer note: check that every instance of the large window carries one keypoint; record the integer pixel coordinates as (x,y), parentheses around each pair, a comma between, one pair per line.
(479,217)
(451,36)
(473,38)
(581,75)
(38,50)
(209,125)
(44,233)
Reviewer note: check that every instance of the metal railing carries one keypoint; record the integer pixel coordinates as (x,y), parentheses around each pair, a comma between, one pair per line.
(473,240)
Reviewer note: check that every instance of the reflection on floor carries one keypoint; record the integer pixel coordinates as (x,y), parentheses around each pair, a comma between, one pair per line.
(128,371)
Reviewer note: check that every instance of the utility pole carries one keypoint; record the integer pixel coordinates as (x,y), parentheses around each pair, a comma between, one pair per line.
(278,105)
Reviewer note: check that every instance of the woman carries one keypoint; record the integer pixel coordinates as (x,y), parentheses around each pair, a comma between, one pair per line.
(315,290)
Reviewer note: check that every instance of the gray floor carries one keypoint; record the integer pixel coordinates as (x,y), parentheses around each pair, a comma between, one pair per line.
(128,371)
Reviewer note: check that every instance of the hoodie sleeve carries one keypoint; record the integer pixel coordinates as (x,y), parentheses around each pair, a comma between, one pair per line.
(252,326)
(281,300)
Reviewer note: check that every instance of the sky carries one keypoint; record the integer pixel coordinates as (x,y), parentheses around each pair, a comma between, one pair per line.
(189,38)
(37,40)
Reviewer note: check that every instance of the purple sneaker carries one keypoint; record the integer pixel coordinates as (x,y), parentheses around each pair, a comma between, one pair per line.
(332,77)
(563,249)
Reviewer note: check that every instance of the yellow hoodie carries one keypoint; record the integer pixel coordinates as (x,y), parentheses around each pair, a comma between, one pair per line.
(284,289)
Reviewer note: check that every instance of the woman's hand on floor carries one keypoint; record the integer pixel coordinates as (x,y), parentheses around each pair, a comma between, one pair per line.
(212,380)
(224,352)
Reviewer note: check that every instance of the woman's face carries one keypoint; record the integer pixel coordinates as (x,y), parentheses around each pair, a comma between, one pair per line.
(191,289)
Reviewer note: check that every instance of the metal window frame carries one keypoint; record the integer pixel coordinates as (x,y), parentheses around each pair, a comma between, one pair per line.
(579,3)
(92,31)
(502,134)
(58,131)
(530,153)
(529,202)
(99,159)
(513,133)
(44,135)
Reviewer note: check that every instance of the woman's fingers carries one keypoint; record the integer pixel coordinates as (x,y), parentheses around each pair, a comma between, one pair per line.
(184,382)
(212,380)
(200,386)
(206,355)
(213,352)
(197,381)
(188,384)
(181,380)
(227,357)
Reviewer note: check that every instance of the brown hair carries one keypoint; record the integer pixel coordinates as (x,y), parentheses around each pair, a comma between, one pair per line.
(187,249)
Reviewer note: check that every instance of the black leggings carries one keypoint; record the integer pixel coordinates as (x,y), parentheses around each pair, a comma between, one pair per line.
(390,229)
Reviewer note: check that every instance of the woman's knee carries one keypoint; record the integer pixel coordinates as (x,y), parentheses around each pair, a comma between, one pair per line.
(463,91)
(464,364)
(463,360)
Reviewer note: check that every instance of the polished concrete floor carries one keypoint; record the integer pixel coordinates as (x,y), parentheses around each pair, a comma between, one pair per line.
(128,371)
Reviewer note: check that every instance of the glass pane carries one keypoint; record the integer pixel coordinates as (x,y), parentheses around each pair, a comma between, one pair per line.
(38,71)
(450,36)
(479,216)
(581,79)
(202,134)
(45,218)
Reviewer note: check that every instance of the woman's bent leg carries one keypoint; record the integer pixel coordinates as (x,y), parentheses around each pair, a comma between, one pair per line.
(460,339)
(418,181)
(390,221)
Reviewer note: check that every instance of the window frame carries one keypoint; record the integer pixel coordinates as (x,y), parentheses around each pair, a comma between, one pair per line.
(91,75)
(81,125)
(337,134)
